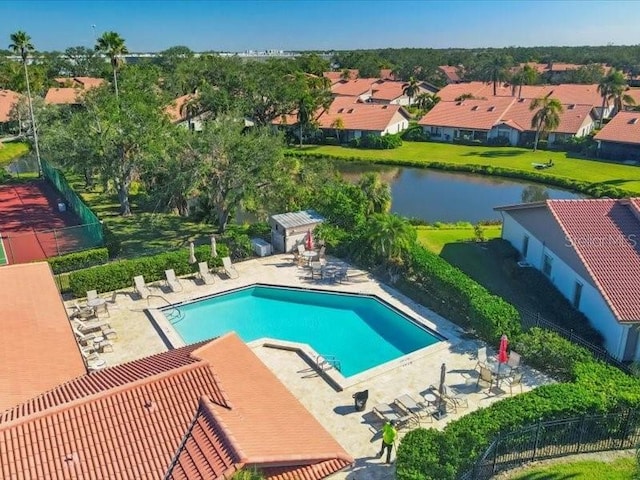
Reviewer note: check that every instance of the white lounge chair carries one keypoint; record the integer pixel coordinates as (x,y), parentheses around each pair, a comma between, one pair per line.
(92,360)
(229,269)
(141,286)
(172,281)
(81,312)
(204,274)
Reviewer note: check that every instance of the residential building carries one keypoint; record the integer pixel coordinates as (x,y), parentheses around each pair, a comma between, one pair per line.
(620,138)
(8,100)
(451,73)
(71,90)
(184,111)
(589,250)
(335,77)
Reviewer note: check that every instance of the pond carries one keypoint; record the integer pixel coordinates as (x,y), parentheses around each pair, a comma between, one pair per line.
(436,196)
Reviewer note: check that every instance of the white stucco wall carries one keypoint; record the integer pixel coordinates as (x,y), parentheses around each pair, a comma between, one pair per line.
(446,133)
(511,133)
(398,124)
(592,304)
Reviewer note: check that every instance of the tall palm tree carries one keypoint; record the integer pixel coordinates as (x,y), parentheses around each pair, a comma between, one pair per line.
(612,87)
(112,45)
(495,70)
(412,88)
(426,101)
(547,118)
(338,126)
(21,45)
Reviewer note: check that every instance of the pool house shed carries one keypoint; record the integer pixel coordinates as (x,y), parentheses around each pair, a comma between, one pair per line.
(290,229)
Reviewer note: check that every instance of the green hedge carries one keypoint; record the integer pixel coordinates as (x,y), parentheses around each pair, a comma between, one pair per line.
(470,303)
(594,190)
(119,274)
(79,260)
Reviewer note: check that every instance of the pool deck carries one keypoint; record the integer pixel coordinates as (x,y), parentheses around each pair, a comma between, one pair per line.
(357,432)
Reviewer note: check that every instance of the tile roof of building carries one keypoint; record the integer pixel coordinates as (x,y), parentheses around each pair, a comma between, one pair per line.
(353,88)
(623,128)
(387,90)
(361,116)
(337,76)
(605,234)
(477,114)
(80,82)
(451,72)
(212,407)
(63,96)
(387,74)
(176,110)
(35,333)
(8,99)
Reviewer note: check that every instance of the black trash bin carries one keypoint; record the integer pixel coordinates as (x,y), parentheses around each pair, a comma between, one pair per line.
(360,400)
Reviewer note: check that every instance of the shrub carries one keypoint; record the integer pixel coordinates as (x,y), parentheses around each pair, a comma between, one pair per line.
(415,133)
(238,242)
(79,260)
(426,455)
(111,241)
(119,274)
(375,142)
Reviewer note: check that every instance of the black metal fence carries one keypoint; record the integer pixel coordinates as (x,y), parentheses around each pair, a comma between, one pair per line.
(557,438)
(529,320)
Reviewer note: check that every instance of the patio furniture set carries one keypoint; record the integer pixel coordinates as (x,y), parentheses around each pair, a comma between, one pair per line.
(491,371)
(316,262)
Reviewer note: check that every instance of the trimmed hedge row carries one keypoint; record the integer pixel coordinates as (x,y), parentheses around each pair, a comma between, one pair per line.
(119,274)
(588,188)
(79,260)
(595,388)
(472,304)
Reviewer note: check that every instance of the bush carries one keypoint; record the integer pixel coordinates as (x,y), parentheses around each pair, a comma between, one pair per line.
(426,455)
(111,241)
(375,142)
(415,133)
(79,260)
(117,275)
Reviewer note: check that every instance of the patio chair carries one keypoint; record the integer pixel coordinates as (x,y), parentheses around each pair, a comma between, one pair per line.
(141,287)
(342,274)
(92,295)
(86,338)
(204,274)
(514,360)
(514,380)
(95,329)
(172,281)
(421,410)
(82,312)
(387,413)
(456,400)
(486,376)
(482,358)
(92,360)
(229,269)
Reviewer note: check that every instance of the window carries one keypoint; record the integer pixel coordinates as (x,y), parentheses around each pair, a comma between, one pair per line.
(577,294)
(547,263)
(525,246)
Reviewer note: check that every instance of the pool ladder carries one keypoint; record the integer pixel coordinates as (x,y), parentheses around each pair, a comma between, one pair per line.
(173,313)
(328,361)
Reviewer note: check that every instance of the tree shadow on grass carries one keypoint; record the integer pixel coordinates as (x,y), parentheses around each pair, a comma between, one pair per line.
(495,153)
(549,476)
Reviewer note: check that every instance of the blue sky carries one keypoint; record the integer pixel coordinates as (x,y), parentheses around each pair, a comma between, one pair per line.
(303,25)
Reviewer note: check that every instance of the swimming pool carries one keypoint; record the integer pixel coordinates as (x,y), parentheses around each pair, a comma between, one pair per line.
(360,331)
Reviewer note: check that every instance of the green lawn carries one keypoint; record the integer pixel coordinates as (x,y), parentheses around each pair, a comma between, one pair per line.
(620,469)
(436,238)
(11,151)
(518,159)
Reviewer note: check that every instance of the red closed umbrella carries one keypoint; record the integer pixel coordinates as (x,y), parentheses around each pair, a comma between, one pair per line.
(503,356)
(309,241)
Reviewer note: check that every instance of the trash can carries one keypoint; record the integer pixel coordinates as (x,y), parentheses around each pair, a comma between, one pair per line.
(360,400)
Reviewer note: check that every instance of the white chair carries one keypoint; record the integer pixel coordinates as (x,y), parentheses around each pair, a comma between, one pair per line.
(514,360)
(482,358)
(141,286)
(514,380)
(229,269)
(172,281)
(204,274)
(92,295)
(92,359)
(486,376)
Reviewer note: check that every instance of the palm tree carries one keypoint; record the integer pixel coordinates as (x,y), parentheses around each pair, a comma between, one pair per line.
(21,45)
(338,125)
(612,87)
(377,193)
(112,45)
(426,101)
(495,70)
(547,118)
(412,87)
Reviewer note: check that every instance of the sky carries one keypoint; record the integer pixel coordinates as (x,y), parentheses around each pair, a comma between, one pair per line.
(239,25)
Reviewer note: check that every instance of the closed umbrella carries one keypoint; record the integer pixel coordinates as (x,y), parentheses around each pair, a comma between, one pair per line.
(192,253)
(309,241)
(442,389)
(503,356)
(214,251)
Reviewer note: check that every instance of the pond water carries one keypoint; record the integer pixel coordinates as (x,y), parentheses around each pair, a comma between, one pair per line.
(435,196)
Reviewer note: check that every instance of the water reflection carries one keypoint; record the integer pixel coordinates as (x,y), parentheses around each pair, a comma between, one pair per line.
(432,195)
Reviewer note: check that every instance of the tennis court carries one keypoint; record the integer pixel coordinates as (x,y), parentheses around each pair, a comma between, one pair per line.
(33,227)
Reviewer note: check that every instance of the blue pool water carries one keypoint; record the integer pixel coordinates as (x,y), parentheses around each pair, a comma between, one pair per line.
(361,332)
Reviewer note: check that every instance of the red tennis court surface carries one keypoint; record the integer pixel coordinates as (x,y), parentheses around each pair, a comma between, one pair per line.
(31,225)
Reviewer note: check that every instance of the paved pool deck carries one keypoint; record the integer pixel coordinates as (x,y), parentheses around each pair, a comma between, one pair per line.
(357,432)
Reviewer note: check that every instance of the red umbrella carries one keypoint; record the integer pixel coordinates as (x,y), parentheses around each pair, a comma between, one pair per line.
(503,356)
(309,241)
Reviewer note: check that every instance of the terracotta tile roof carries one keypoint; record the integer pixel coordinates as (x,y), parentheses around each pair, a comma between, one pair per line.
(623,128)
(89,82)
(353,88)
(605,234)
(572,118)
(451,72)
(175,109)
(471,114)
(201,411)
(63,96)
(635,94)
(35,332)
(8,99)
(360,116)
(337,76)
(387,90)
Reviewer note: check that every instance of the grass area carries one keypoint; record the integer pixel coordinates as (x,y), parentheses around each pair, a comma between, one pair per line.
(626,177)
(619,469)
(3,255)
(435,238)
(10,151)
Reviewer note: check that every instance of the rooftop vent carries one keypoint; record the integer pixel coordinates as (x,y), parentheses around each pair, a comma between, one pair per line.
(571,107)
(633,121)
(474,108)
(350,110)
(384,107)
(521,100)
(491,109)
(341,110)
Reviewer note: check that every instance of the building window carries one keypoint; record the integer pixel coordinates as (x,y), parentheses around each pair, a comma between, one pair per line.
(525,246)
(547,263)
(577,294)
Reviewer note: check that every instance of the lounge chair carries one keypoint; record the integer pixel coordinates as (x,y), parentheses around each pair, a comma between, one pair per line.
(455,399)
(388,413)
(172,281)
(82,312)
(141,287)
(93,360)
(229,269)
(411,406)
(94,329)
(204,274)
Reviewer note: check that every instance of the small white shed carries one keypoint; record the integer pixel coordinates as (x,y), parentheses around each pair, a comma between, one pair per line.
(290,229)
